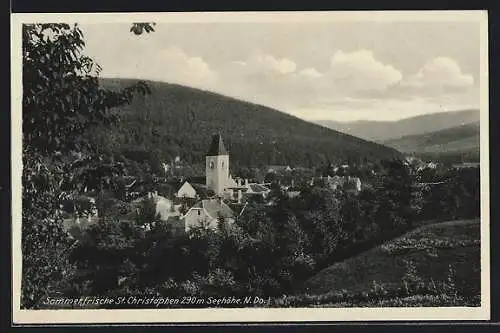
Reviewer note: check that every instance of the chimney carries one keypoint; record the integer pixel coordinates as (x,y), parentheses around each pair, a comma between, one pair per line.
(155,193)
(240,196)
(246,182)
(293,182)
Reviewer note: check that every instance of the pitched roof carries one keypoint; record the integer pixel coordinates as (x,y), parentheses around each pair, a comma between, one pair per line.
(237,208)
(258,188)
(217,146)
(278,167)
(215,207)
(185,185)
(196,180)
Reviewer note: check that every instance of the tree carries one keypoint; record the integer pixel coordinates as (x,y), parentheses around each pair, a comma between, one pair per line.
(61,92)
(146,213)
(394,192)
(106,252)
(351,214)
(62,98)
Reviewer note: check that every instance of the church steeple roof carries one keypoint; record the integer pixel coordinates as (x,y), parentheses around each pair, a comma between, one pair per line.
(217,146)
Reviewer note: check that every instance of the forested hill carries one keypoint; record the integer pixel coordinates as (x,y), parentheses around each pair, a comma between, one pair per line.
(179,121)
(381,131)
(462,138)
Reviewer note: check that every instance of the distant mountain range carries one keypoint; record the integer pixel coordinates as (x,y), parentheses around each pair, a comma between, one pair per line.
(179,121)
(381,131)
(463,138)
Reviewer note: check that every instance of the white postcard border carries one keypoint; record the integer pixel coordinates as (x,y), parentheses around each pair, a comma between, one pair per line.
(246,314)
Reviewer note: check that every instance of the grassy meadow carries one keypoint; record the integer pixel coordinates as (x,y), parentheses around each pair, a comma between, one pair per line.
(434,265)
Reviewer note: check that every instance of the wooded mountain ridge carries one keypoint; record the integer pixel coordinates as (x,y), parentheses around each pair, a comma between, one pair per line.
(381,131)
(463,138)
(175,120)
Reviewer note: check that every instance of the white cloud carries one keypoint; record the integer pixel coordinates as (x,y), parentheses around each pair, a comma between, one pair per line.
(273,65)
(279,82)
(352,84)
(264,64)
(440,72)
(359,71)
(169,65)
(177,66)
(310,73)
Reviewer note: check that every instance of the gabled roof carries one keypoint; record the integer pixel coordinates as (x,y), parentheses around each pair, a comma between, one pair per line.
(217,146)
(237,208)
(214,207)
(278,167)
(186,185)
(196,180)
(258,188)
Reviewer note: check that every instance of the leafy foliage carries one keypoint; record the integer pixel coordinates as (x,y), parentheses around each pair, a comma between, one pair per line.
(61,94)
(61,99)
(139,28)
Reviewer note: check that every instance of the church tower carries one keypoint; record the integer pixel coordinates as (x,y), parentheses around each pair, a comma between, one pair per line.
(217,165)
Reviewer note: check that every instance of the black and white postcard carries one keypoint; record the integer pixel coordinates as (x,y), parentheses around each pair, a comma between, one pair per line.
(250,167)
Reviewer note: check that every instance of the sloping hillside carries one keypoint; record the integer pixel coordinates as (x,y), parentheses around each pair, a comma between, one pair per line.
(179,121)
(433,249)
(380,131)
(464,138)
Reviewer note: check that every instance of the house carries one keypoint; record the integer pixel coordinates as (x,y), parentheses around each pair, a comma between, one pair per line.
(466,165)
(245,189)
(257,189)
(334,182)
(237,207)
(347,183)
(82,210)
(78,214)
(186,191)
(432,165)
(292,192)
(353,184)
(429,165)
(164,207)
(206,213)
(278,168)
(134,188)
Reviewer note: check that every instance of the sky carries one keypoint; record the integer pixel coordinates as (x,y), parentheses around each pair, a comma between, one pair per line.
(343,71)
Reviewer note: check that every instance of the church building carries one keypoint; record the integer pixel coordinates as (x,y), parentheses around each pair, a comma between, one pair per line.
(218,178)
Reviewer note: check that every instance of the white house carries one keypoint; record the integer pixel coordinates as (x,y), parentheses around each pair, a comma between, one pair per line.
(206,213)
(278,168)
(165,208)
(257,189)
(186,191)
(353,184)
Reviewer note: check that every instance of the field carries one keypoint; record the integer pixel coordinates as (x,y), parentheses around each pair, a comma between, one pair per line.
(435,265)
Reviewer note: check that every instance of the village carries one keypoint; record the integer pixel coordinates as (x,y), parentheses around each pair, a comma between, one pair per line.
(202,201)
